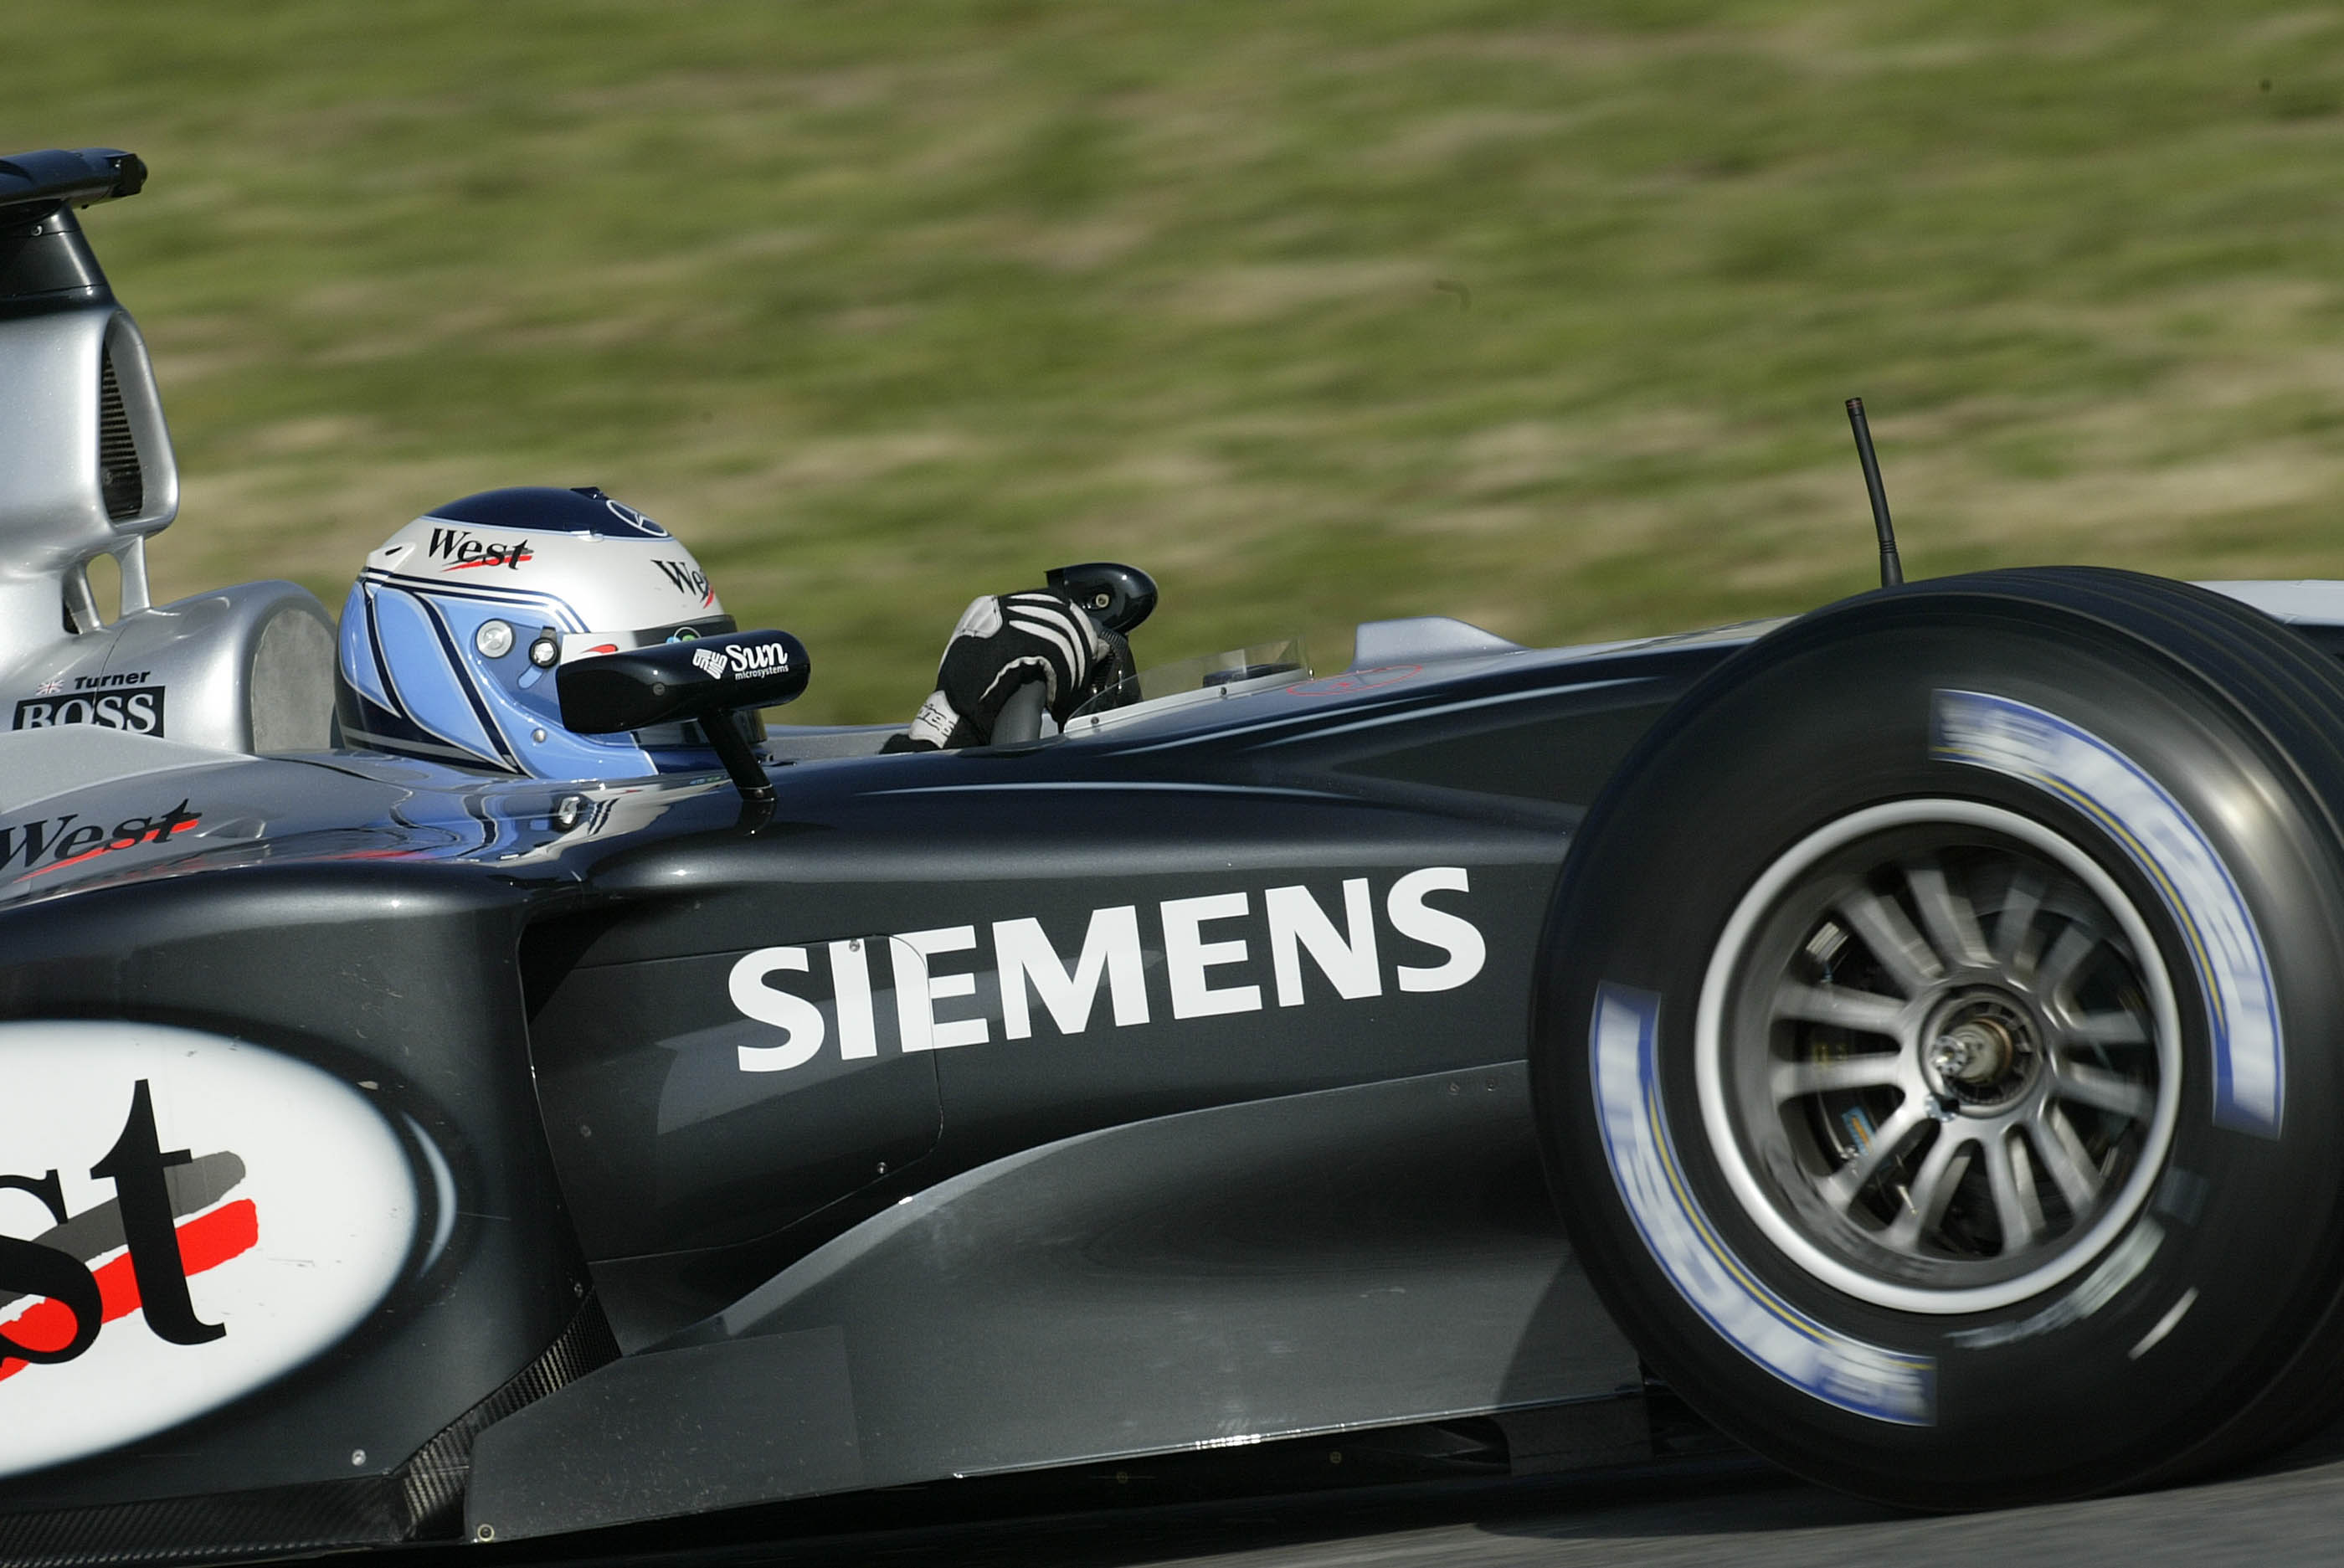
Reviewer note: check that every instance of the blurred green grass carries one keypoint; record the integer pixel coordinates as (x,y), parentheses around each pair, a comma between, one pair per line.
(1536,314)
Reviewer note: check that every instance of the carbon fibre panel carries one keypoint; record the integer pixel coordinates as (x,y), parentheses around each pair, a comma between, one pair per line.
(1357,1257)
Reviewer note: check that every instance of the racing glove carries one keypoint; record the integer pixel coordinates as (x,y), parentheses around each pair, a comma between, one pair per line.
(1002,642)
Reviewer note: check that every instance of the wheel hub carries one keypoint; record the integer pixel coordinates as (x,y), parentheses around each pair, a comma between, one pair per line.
(1985,1050)
(1938,1056)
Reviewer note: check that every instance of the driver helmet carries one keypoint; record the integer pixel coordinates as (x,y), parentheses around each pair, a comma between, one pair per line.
(451,634)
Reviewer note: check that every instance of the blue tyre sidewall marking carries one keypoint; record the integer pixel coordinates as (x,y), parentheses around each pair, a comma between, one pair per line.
(2225,950)
(1862,1379)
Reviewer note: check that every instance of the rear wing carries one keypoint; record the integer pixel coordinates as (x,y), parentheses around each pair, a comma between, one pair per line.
(45,264)
(48,180)
(86,464)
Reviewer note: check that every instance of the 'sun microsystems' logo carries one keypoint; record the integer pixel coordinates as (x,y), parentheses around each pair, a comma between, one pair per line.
(710,663)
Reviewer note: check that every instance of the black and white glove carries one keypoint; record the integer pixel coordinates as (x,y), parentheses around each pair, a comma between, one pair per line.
(1002,642)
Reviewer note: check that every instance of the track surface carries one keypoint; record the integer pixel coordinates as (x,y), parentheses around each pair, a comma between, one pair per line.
(1725,1510)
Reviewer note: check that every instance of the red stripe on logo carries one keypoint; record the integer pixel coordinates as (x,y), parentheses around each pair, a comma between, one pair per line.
(109,848)
(205,1241)
(491,561)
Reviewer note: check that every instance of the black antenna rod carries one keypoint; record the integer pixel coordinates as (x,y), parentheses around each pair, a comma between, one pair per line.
(1891,571)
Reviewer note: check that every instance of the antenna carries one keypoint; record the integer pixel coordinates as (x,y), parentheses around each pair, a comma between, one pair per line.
(1891,571)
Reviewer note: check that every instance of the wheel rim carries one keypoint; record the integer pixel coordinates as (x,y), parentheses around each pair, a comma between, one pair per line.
(1938,1056)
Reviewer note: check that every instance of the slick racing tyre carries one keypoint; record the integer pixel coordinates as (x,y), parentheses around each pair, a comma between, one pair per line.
(1937,1039)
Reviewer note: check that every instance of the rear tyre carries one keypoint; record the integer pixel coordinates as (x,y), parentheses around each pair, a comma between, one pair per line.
(1935,1040)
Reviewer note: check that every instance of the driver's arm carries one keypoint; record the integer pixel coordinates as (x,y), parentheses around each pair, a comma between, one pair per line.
(1000,642)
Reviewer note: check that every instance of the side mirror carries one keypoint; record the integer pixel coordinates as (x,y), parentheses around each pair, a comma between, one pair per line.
(669,682)
(1116,596)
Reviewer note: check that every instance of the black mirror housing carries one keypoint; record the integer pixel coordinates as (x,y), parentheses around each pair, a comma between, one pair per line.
(672,681)
(1116,596)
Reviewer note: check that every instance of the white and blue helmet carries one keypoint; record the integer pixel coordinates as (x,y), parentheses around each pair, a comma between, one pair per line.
(451,636)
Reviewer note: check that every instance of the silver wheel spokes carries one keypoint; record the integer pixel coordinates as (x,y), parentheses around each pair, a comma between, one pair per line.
(1960,1062)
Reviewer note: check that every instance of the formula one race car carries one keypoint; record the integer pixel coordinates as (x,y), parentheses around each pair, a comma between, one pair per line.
(468,1079)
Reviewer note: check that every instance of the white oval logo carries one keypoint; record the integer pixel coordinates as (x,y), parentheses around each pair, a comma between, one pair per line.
(183,1218)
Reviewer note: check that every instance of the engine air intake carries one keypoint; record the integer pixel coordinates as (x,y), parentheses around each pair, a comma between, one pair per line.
(119,478)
